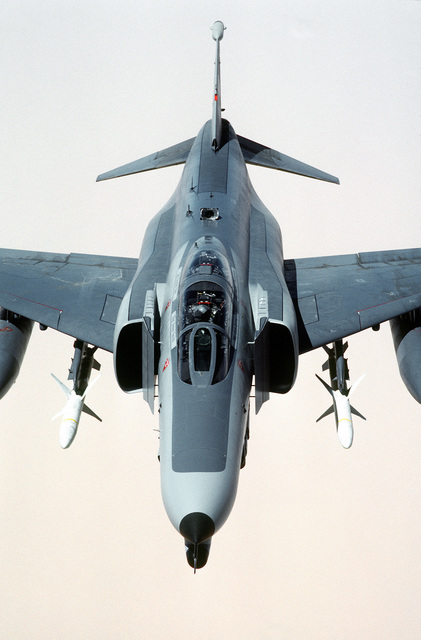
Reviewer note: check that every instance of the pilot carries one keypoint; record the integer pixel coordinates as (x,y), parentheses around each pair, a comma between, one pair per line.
(205,309)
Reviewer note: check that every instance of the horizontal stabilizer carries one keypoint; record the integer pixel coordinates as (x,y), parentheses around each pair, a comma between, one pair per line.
(258,154)
(177,154)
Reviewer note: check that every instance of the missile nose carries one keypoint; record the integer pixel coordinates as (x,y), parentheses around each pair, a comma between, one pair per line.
(345,433)
(68,431)
(197,527)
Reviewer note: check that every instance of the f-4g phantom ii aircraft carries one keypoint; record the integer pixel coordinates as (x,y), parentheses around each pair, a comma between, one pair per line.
(210,304)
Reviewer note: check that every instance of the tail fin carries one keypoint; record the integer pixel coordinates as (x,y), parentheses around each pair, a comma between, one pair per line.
(253,152)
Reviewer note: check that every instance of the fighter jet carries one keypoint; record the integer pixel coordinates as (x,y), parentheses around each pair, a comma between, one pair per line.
(210,308)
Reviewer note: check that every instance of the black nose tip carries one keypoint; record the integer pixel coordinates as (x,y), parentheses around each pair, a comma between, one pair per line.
(197,527)
(197,554)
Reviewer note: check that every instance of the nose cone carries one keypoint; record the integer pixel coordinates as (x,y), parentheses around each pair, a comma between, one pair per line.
(197,527)
(345,433)
(68,432)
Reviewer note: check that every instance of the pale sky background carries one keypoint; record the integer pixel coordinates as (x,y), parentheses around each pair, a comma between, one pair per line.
(322,543)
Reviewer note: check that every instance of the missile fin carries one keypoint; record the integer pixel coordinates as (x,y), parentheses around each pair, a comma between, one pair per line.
(90,385)
(62,386)
(328,350)
(354,386)
(328,412)
(60,413)
(89,411)
(329,388)
(357,413)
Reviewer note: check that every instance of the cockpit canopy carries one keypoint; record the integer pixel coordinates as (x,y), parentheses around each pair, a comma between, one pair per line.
(206,301)
(204,356)
(206,315)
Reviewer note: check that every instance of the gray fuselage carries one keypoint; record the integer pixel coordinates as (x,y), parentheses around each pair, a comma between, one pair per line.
(205,367)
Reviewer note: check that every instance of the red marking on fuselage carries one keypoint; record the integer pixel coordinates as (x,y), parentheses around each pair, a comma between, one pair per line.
(167,362)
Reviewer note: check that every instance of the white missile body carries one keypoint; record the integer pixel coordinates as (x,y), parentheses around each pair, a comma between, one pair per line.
(343,419)
(71,416)
(75,404)
(71,413)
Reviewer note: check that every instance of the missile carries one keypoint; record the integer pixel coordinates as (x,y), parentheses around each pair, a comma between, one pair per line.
(71,416)
(341,407)
(72,412)
(82,364)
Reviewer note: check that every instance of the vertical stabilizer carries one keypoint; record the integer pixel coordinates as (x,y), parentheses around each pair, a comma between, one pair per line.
(217,35)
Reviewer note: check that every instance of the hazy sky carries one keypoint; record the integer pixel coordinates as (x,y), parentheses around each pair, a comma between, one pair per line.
(322,543)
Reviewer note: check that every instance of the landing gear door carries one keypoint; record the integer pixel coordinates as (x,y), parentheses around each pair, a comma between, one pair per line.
(149,327)
(148,361)
(261,366)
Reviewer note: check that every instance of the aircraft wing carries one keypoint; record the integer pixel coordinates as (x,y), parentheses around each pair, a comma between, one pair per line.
(336,296)
(77,294)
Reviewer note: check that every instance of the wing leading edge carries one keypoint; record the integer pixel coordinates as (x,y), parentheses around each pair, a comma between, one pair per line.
(336,296)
